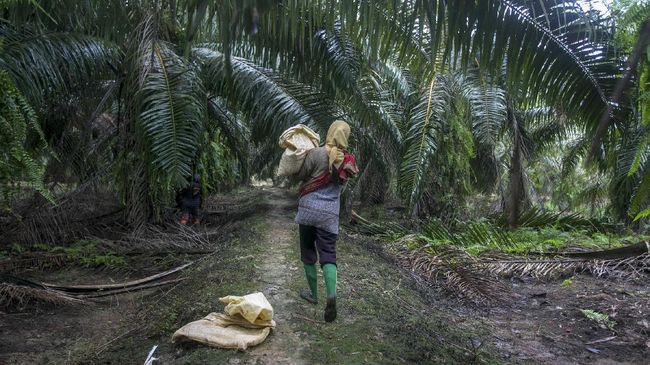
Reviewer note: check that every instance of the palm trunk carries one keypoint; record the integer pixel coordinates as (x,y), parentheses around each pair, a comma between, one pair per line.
(633,61)
(516,173)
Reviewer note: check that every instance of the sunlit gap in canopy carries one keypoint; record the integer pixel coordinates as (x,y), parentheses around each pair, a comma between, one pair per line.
(601,6)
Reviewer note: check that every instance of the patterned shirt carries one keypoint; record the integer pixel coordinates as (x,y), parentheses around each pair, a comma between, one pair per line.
(319,208)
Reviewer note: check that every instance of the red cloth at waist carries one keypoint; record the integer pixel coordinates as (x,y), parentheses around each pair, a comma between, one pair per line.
(347,169)
(315,183)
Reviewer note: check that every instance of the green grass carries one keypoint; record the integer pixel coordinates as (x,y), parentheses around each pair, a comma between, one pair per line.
(82,252)
(88,252)
(566,283)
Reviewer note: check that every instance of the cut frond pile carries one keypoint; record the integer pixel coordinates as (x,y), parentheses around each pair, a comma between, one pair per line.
(17,292)
(629,267)
(453,269)
(443,257)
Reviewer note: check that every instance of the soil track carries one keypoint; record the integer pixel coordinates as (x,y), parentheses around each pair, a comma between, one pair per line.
(386,316)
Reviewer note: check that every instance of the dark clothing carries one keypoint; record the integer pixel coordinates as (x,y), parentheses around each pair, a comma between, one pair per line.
(317,244)
(189,202)
(193,211)
(187,199)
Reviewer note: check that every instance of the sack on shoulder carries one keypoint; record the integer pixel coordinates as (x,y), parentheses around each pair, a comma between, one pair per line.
(296,141)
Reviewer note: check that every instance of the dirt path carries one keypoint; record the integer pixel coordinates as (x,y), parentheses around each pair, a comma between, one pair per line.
(382,318)
(274,272)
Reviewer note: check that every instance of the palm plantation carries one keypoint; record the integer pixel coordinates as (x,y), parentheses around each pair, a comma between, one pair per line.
(486,128)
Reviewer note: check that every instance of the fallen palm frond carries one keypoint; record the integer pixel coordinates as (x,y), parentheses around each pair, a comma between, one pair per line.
(18,296)
(627,267)
(455,270)
(130,289)
(613,253)
(624,262)
(440,256)
(364,226)
(17,292)
(133,283)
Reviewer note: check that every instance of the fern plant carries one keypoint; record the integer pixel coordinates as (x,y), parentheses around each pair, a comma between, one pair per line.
(17,120)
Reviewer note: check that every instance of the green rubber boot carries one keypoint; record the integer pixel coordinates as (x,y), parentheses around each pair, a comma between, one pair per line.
(312,281)
(329,272)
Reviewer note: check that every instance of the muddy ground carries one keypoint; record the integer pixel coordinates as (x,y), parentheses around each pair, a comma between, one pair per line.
(386,316)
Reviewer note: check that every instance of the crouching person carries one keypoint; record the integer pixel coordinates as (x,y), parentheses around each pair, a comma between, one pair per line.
(189,200)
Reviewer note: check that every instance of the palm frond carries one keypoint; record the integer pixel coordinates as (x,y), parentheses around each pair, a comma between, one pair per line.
(472,234)
(592,194)
(372,109)
(420,140)
(630,267)
(234,131)
(489,111)
(367,227)
(17,119)
(577,149)
(18,296)
(341,59)
(172,112)
(271,102)
(40,63)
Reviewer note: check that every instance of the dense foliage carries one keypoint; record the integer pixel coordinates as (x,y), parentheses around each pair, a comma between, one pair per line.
(497,105)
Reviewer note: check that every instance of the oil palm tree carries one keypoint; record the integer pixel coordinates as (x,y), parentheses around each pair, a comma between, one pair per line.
(275,63)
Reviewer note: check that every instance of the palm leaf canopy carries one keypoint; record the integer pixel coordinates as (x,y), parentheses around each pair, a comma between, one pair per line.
(414,78)
(560,50)
(172,112)
(42,63)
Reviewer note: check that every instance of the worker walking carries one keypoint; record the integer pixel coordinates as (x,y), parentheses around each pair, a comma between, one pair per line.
(323,176)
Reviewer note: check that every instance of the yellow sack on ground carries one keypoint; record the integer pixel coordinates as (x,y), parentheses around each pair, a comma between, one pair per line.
(213,330)
(253,307)
(226,320)
(232,329)
(296,141)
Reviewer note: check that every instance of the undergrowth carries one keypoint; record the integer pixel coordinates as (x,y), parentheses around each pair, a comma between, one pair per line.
(82,252)
(480,237)
(544,233)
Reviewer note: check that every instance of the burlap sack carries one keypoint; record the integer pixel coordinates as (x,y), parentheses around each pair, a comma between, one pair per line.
(296,141)
(247,322)
(214,330)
